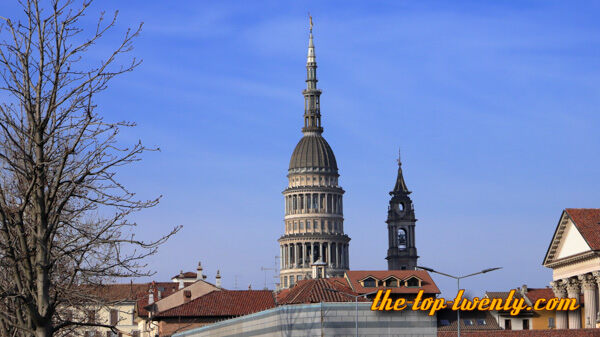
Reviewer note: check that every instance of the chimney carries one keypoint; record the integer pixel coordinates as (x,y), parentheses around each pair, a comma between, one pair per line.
(523,289)
(250,286)
(187,295)
(181,284)
(218,279)
(151,295)
(199,275)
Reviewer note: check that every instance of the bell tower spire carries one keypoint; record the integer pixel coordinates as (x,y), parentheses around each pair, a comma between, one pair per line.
(402,252)
(312,106)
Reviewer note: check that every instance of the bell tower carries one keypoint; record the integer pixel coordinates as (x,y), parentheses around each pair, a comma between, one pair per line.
(402,252)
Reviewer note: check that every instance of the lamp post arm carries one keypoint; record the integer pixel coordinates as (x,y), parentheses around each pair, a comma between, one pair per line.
(465,276)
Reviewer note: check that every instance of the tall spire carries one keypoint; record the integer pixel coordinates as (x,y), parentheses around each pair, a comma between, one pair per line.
(400,187)
(312,106)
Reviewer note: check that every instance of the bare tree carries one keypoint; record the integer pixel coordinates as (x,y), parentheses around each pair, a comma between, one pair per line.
(64,225)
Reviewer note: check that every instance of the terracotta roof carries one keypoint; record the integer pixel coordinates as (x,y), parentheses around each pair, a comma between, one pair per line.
(427,284)
(223,303)
(534,294)
(315,291)
(128,291)
(117,292)
(187,274)
(587,221)
(165,288)
(481,320)
(502,294)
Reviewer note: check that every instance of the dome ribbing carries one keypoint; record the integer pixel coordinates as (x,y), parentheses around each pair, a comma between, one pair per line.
(313,154)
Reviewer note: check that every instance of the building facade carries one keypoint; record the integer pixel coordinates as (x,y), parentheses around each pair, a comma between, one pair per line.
(574,257)
(314,221)
(402,251)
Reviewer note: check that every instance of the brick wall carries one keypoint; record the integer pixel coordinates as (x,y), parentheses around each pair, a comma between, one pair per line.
(524,333)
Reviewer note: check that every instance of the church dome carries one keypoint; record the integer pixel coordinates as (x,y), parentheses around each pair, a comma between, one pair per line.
(313,154)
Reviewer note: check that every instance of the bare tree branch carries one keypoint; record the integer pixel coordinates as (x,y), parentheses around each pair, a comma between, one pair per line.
(64,225)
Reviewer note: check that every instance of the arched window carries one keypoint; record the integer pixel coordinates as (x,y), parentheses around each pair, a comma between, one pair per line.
(401,239)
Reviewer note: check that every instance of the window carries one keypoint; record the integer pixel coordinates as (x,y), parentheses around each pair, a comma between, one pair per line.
(444,322)
(370,283)
(135,333)
(91,316)
(391,283)
(507,324)
(114,317)
(413,282)
(301,225)
(285,282)
(308,225)
(525,324)
(295,225)
(468,322)
(401,239)
(481,322)
(551,323)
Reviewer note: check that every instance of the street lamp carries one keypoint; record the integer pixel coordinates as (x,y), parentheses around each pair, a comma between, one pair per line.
(457,278)
(355,301)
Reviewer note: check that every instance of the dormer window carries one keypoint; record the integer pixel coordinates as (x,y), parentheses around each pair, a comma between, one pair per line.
(391,283)
(369,283)
(413,282)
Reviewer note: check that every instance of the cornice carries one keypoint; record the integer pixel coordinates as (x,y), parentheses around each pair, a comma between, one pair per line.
(314,236)
(308,188)
(571,259)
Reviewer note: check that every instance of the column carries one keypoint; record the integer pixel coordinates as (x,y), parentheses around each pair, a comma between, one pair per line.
(306,255)
(295,255)
(294,203)
(596,275)
(280,257)
(329,255)
(321,251)
(347,256)
(338,256)
(312,254)
(573,288)
(588,284)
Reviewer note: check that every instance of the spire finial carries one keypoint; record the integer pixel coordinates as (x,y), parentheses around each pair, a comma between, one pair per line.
(312,110)
(400,187)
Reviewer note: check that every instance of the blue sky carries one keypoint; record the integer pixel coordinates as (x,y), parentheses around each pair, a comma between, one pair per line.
(494,104)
